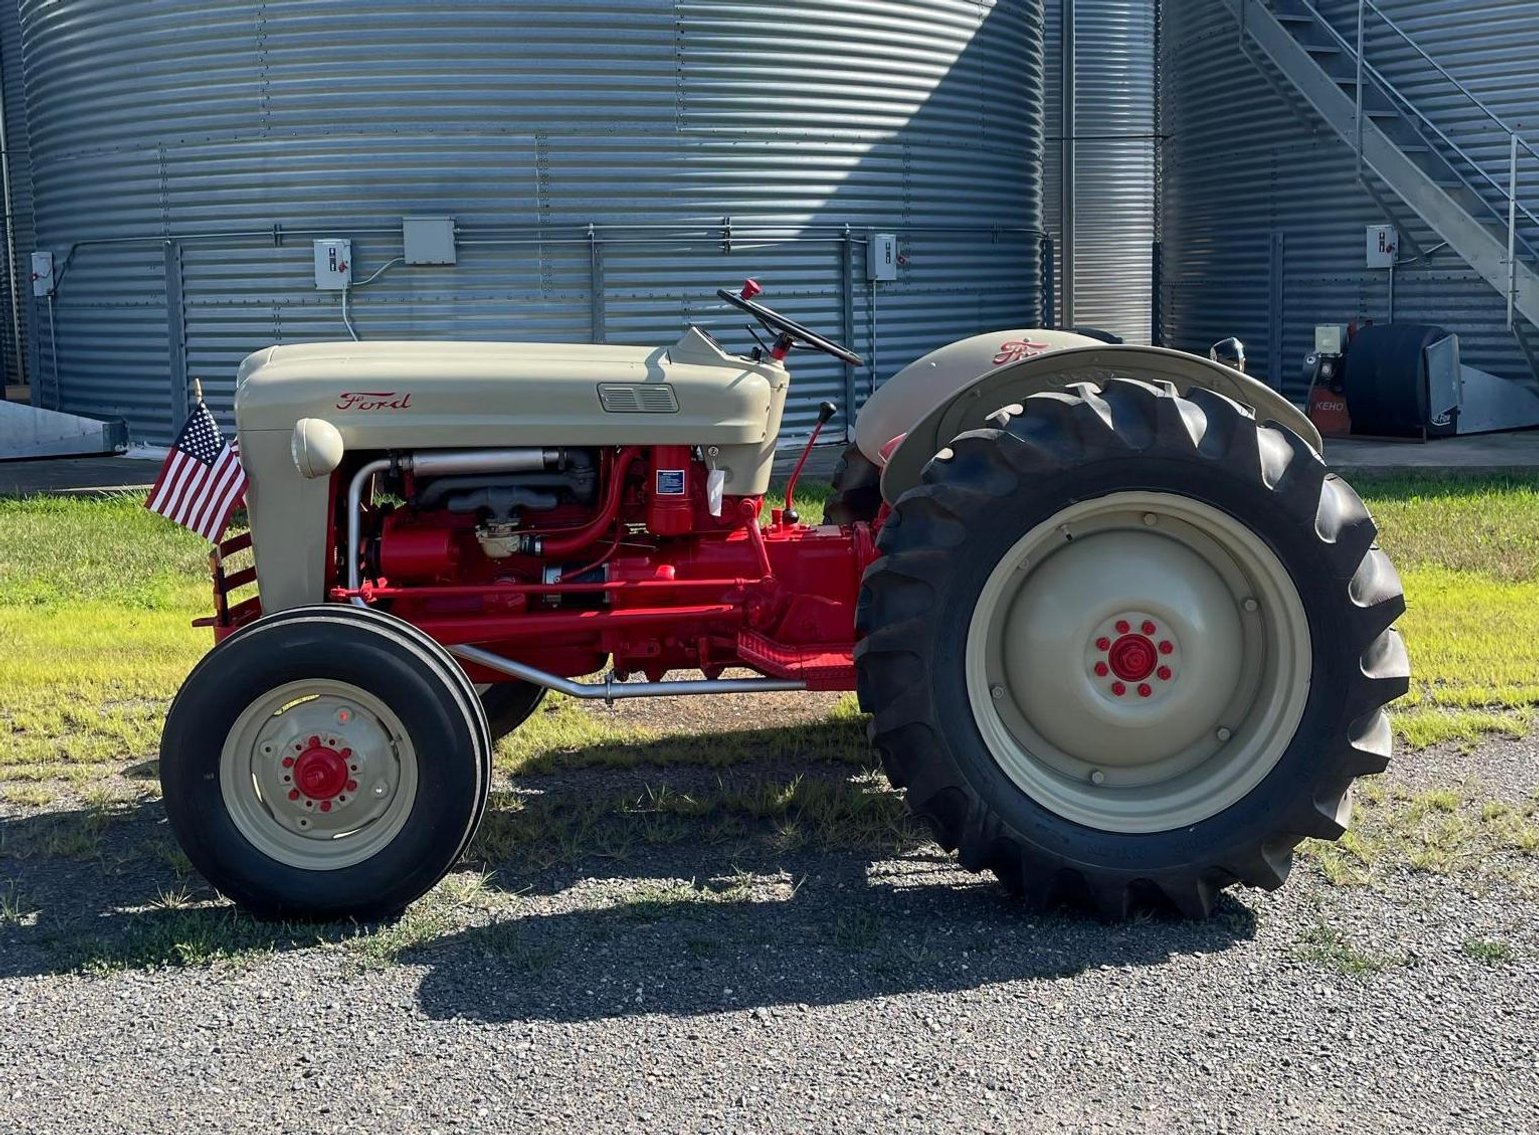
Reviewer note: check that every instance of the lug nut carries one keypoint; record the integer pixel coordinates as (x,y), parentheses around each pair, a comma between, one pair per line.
(996,692)
(1224,734)
(325,805)
(1145,690)
(1148,627)
(293,794)
(1123,626)
(1103,643)
(1167,646)
(1097,777)
(1164,673)
(1119,689)
(1150,519)
(1250,605)
(288,762)
(1101,670)
(352,786)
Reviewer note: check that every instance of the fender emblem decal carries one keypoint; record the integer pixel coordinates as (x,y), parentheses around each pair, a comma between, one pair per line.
(1014,350)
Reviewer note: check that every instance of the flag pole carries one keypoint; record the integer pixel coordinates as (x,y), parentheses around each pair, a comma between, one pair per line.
(197,390)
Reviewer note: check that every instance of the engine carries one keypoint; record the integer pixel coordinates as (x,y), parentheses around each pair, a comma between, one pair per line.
(569,557)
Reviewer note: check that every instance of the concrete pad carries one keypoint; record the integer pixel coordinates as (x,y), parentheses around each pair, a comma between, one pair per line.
(82,476)
(1500,454)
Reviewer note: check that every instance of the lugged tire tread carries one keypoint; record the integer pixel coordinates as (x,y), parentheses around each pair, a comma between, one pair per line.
(1048,434)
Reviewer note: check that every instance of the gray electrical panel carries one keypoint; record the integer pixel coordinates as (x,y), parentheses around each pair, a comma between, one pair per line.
(428,240)
(333,264)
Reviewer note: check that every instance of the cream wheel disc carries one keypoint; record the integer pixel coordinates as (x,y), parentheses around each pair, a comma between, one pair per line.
(318,775)
(1139,662)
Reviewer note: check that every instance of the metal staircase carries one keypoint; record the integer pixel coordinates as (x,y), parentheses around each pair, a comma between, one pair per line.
(1475,209)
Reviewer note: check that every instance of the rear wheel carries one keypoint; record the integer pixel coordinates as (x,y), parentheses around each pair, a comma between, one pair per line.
(325,763)
(856,494)
(1130,647)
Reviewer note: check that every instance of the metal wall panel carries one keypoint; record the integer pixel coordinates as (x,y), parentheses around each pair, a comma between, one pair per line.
(1113,161)
(1244,159)
(703,141)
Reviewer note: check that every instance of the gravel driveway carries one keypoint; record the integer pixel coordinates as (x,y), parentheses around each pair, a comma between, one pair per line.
(691,985)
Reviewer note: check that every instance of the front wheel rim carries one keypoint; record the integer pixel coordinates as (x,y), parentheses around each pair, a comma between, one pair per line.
(318,775)
(1138,662)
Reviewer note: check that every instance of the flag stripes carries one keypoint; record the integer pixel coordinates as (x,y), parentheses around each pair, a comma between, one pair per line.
(202,481)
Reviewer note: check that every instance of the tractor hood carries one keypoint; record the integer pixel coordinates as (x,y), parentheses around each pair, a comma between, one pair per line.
(385,395)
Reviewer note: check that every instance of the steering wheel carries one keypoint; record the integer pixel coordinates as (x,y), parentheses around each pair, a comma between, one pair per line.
(786,327)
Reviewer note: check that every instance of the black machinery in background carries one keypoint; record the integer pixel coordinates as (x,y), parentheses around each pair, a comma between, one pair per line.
(1407,380)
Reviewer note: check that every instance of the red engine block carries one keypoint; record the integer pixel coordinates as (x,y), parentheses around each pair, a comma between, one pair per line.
(647,576)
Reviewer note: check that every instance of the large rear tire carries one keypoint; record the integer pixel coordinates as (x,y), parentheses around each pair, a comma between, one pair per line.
(856,494)
(1128,648)
(325,763)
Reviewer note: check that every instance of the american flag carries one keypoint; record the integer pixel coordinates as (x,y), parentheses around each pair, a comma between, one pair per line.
(202,480)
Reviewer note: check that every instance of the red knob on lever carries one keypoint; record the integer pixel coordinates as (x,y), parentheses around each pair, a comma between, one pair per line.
(751,288)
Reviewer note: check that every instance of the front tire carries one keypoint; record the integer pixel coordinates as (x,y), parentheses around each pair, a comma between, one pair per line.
(1129,648)
(325,763)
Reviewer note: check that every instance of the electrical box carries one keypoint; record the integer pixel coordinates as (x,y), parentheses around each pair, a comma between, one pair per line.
(1330,339)
(428,240)
(1383,246)
(333,264)
(882,257)
(42,274)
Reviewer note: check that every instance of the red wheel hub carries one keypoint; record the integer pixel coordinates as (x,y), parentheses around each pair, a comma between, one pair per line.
(320,772)
(1133,653)
(1133,657)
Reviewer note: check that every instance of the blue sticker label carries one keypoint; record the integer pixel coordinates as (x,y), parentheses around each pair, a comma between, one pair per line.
(670,482)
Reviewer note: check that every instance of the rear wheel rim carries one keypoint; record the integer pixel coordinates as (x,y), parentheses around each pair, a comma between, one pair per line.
(1138,662)
(318,775)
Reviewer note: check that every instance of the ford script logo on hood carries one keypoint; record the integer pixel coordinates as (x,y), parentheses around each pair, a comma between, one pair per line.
(374,400)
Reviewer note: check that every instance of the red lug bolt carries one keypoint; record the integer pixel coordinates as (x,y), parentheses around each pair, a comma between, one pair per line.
(1149,627)
(288,762)
(325,805)
(1145,690)
(1167,646)
(352,786)
(1103,643)
(293,794)
(1123,626)
(1101,669)
(1119,689)
(1164,673)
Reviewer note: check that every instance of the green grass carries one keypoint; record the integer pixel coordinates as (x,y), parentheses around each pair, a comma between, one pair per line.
(1326,946)
(97,597)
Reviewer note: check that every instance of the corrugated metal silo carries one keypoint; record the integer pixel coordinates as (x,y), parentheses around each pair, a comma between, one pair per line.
(1263,213)
(1099,158)
(185,155)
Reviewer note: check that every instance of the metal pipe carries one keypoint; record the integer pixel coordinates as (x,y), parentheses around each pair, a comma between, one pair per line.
(449,463)
(1358,120)
(1066,166)
(610,690)
(10,236)
(1512,229)
(354,508)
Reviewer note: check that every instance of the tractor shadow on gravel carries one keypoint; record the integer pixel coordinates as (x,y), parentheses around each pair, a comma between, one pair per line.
(646,880)
(837,928)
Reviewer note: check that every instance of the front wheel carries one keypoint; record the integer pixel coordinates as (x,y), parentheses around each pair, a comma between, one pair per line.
(325,763)
(1130,647)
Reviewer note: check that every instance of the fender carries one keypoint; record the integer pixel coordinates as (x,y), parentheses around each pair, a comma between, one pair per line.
(968,404)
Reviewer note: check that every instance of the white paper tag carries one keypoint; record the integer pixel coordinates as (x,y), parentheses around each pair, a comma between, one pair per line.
(715,484)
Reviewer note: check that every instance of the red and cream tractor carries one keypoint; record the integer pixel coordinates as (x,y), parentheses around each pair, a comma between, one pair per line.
(1122,638)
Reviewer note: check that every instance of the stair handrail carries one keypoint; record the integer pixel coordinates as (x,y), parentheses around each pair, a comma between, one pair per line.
(1507,192)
